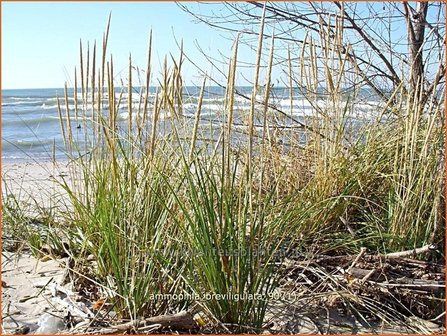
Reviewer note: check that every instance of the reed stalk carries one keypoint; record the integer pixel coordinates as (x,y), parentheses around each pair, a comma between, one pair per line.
(75,95)
(265,126)
(156,114)
(229,102)
(196,121)
(81,68)
(254,94)
(87,74)
(67,115)
(148,80)
(93,83)
(129,105)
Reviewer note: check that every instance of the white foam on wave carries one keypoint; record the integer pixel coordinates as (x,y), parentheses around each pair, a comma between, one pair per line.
(28,102)
(21,98)
(81,107)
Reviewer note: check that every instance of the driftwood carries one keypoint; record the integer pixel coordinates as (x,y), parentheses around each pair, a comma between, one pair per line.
(366,274)
(407,253)
(181,320)
(362,252)
(393,272)
(345,259)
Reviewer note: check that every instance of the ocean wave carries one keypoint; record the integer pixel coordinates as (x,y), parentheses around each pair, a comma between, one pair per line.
(25,97)
(192,108)
(71,107)
(11,144)
(38,121)
(23,103)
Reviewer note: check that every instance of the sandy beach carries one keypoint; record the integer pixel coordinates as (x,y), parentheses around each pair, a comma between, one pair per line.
(36,183)
(27,287)
(30,294)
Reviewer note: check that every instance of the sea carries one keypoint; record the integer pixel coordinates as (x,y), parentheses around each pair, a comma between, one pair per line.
(30,127)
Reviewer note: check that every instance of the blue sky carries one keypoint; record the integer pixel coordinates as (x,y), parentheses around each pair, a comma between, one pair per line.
(40,41)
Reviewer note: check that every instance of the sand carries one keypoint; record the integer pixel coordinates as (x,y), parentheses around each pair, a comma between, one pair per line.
(36,182)
(26,291)
(26,295)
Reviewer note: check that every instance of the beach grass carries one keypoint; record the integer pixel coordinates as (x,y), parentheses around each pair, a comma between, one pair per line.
(165,213)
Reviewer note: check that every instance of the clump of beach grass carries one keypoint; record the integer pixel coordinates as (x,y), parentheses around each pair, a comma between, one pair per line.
(357,181)
(227,231)
(162,215)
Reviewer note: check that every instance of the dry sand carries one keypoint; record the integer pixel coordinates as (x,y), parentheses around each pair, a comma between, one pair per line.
(26,292)
(26,281)
(38,182)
